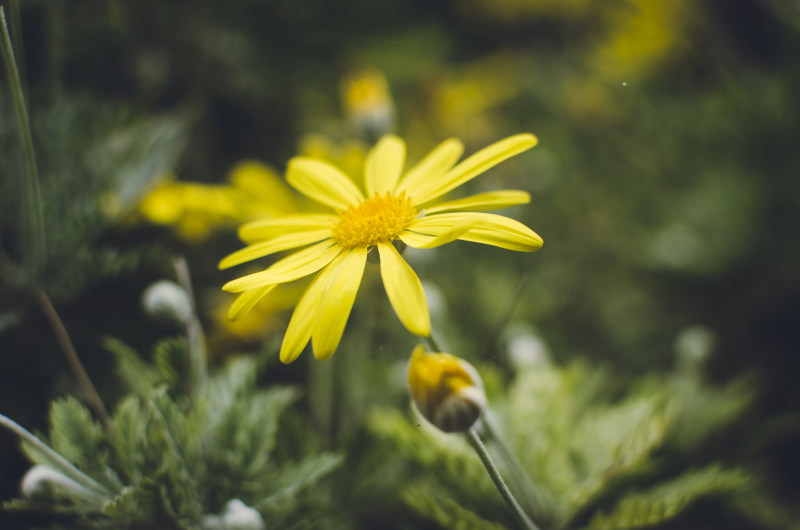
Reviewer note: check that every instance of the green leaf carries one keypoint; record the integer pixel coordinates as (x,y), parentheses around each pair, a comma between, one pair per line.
(668,499)
(445,511)
(123,504)
(293,479)
(79,439)
(171,359)
(131,368)
(128,439)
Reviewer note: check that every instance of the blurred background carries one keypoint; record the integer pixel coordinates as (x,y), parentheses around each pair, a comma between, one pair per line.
(664,185)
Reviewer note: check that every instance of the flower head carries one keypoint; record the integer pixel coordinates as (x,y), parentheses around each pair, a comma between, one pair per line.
(446,390)
(393,208)
(196,210)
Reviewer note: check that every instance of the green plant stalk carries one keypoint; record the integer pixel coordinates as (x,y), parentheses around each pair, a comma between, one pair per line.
(535,503)
(431,344)
(477,444)
(58,462)
(32,225)
(194,330)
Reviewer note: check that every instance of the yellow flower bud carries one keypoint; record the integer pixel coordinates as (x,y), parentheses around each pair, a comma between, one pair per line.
(446,390)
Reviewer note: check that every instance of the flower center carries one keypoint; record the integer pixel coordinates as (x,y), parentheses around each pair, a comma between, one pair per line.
(379,219)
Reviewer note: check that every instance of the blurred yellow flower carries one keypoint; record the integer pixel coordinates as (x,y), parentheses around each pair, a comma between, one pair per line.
(466,98)
(347,155)
(393,209)
(643,33)
(367,101)
(195,210)
(255,326)
(446,390)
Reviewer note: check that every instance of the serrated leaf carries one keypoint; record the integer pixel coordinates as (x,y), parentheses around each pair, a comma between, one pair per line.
(293,479)
(668,499)
(131,368)
(79,439)
(123,504)
(446,512)
(171,359)
(128,439)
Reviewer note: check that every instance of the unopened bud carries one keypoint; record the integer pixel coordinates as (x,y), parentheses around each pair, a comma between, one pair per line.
(236,516)
(166,299)
(447,391)
(45,484)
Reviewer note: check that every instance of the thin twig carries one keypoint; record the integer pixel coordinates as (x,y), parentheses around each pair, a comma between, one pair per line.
(71,356)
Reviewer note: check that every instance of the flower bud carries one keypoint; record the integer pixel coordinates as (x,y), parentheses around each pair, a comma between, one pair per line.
(446,390)
(236,516)
(166,299)
(44,484)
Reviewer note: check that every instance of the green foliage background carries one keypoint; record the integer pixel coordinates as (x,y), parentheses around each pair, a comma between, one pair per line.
(666,192)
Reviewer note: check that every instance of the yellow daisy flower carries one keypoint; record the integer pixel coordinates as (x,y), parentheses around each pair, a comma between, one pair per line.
(395,208)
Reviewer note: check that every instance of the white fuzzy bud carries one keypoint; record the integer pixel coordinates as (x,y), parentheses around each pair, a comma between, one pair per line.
(166,299)
(45,484)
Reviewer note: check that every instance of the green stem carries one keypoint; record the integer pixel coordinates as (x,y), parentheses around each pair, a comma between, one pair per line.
(57,461)
(194,330)
(431,344)
(535,503)
(32,225)
(475,441)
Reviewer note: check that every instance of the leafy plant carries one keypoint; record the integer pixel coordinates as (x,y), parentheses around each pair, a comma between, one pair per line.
(588,454)
(176,460)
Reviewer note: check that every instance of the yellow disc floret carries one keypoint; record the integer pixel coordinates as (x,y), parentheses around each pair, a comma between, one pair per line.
(379,219)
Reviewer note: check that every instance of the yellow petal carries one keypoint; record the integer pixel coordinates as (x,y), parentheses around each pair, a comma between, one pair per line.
(245,301)
(264,185)
(430,168)
(473,166)
(323,183)
(384,164)
(489,229)
(298,333)
(297,265)
(276,244)
(336,302)
(417,240)
(493,200)
(404,291)
(279,226)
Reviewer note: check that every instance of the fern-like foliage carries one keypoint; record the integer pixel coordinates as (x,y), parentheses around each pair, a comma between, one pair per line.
(171,460)
(667,499)
(94,162)
(580,452)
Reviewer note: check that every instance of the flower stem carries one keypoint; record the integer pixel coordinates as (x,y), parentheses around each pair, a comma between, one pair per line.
(72,357)
(475,441)
(431,344)
(194,330)
(535,503)
(32,225)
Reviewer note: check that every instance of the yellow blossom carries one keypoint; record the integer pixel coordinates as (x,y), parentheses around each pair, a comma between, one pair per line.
(446,390)
(195,209)
(366,100)
(395,207)
(643,34)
